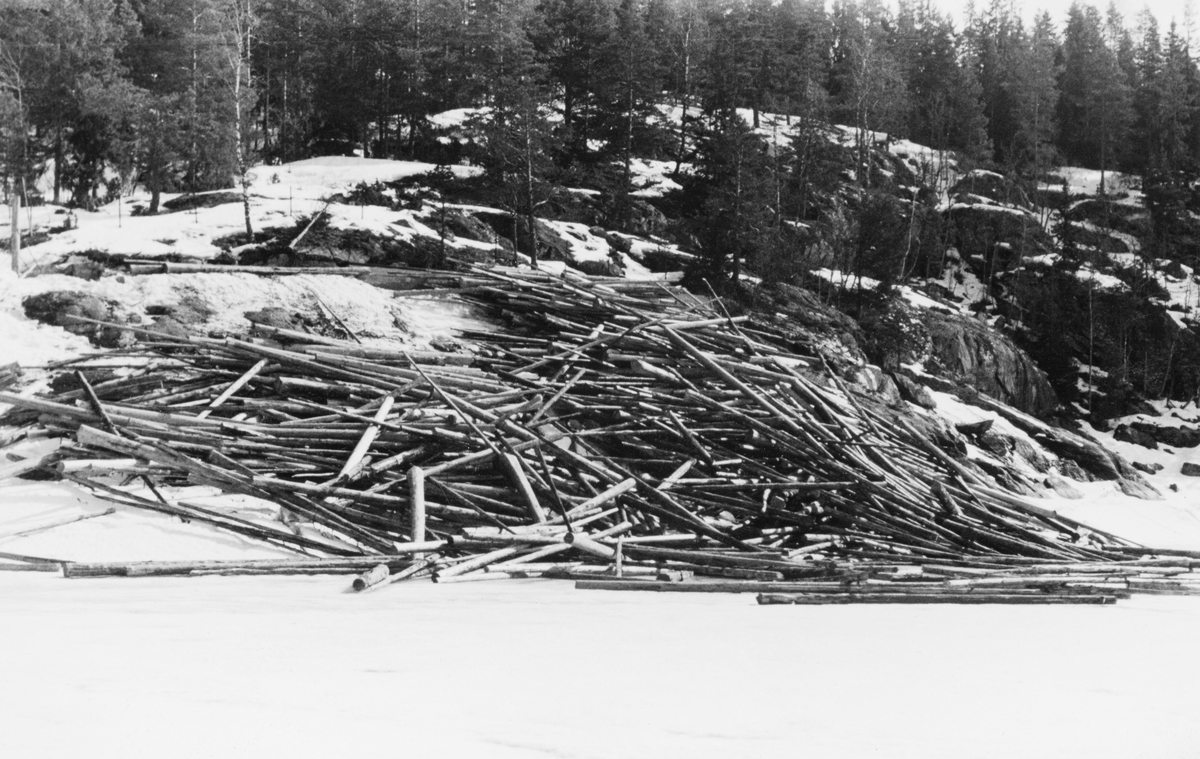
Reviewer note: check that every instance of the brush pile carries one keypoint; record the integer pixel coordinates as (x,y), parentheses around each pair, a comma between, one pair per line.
(616,428)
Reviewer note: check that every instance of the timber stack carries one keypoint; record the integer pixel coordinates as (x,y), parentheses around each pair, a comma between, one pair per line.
(625,434)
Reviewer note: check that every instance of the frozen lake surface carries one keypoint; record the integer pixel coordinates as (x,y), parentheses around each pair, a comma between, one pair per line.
(292,666)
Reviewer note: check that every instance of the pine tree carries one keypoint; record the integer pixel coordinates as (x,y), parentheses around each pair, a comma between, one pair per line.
(1035,91)
(866,81)
(945,108)
(1095,104)
(519,141)
(628,93)
(728,69)
(679,30)
(570,38)
(735,211)
(61,49)
(1178,104)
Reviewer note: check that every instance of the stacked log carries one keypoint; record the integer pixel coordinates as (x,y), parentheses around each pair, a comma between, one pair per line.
(613,425)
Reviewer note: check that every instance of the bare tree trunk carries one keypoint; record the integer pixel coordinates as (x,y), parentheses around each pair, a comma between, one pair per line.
(686,101)
(242,21)
(530,219)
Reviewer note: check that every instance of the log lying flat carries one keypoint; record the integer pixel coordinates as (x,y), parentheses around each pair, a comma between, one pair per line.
(821,599)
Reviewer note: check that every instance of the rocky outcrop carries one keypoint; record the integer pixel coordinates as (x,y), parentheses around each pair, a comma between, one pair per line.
(988,184)
(1176,437)
(61,308)
(1081,457)
(874,380)
(812,327)
(1128,434)
(967,351)
(462,224)
(956,351)
(914,392)
(1138,345)
(66,308)
(993,237)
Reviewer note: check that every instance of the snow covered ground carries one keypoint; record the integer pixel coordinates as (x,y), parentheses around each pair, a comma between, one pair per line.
(293,667)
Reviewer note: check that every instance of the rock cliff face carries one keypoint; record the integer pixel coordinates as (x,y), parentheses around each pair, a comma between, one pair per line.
(955,350)
(967,351)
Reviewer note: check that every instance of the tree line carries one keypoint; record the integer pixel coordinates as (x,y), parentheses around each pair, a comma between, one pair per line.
(180,95)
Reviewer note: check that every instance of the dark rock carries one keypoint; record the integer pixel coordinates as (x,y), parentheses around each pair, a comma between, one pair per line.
(191,309)
(204,200)
(1127,434)
(994,443)
(1189,469)
(446,344)
(1067,445)
(463,224)
(1131,337)
(969,353)
(1062,487)
(938,383)
(114,337)
(1147,468)
(990,185)
(607,268)
(552,244)
(85,269)
(1069,468)
(1180,437)
(1000,237)
(1100,240)
(169,325)
(914,392)
(940,433)
(617,242)
(65,382)
(975,428)
(1174,269)
(1032,455)
(1087,454)
(645,219)
(274,316)
(61,308)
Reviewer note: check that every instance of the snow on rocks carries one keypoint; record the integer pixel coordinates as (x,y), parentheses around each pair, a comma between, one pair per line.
(1123,188)
(225,298)
(279,196)
(653,179)
(846,281)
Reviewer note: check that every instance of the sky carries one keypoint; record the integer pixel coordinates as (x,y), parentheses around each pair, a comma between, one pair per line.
(1163,10)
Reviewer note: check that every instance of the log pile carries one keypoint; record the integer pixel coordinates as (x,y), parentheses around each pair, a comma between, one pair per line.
(621,430)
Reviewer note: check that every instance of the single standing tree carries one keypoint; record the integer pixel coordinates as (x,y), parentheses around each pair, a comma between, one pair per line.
(238,21)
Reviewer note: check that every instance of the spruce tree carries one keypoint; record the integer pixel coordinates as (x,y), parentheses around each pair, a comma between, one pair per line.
(628,93)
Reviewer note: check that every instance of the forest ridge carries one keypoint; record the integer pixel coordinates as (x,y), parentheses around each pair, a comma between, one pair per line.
(180,95)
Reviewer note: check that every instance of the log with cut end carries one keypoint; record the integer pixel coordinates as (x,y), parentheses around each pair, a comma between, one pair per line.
(374,576)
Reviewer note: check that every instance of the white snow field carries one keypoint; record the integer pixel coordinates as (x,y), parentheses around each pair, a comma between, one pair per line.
(292,667)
